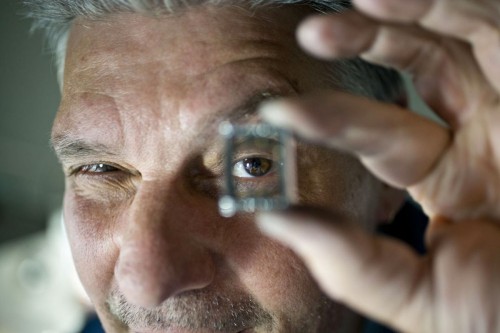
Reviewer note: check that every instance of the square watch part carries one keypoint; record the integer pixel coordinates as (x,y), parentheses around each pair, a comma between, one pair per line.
(259,168)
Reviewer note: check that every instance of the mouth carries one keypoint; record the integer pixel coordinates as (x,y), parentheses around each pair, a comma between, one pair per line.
(178,330)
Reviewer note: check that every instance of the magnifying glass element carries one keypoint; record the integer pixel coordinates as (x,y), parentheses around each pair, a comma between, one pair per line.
(259,169)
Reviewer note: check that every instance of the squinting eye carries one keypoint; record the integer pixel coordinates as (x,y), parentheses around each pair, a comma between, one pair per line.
(252,167)
(97,168)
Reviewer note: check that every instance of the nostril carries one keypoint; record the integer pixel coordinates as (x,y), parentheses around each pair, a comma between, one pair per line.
(148,283)
(142,286)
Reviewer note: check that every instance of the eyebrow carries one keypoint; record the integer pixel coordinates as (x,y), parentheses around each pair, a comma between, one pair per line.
(246,110)
(66,148)
(69,148)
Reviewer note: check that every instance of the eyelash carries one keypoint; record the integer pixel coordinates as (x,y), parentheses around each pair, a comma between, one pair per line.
(87,169)
(238,166)
(90,169)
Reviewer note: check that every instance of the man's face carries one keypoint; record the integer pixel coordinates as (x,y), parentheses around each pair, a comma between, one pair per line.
(136,133)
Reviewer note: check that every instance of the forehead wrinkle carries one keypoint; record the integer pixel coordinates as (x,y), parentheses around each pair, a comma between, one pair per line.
(97,71)
(94,56)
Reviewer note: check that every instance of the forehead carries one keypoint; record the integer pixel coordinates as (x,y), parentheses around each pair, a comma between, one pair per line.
(189,44)
(211,51)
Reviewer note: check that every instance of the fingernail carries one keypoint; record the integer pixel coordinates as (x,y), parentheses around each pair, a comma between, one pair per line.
(314,35)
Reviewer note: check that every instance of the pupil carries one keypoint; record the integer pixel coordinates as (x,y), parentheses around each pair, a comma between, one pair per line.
(257,166)
(100,168)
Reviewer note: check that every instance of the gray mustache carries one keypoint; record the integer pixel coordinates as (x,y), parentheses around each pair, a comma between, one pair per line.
(193,310)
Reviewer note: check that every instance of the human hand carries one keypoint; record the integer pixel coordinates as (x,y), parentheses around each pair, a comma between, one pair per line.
(452,48)
(454,60)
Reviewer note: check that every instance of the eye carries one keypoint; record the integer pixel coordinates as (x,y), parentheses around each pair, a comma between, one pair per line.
(96,168)
(252,167)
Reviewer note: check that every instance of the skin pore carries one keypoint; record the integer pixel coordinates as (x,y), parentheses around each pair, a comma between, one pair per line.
(136,134)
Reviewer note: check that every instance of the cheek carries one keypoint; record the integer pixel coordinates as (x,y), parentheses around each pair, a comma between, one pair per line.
(273,275)
(94,252)
(283,282)
(338,182)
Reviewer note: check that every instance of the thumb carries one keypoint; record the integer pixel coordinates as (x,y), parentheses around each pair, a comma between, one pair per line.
(377,276)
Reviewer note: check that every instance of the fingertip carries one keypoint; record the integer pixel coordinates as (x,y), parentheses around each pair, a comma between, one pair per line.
(273,111)
(292,114)
(293,230)
(334,36)
(272,224)
(316,37)
(282,113)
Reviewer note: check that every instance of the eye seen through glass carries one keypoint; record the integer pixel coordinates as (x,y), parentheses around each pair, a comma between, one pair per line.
(252,167)
(255,168)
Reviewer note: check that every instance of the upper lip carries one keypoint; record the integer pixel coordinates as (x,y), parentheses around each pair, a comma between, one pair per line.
(182,330)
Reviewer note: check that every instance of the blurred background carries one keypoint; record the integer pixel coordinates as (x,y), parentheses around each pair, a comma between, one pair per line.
(31,182)
(39,290)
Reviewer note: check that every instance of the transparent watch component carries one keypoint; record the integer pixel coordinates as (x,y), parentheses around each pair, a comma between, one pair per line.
(259,168)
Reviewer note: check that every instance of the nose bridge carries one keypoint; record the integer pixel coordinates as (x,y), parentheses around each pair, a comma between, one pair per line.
(169,207)
(161,248)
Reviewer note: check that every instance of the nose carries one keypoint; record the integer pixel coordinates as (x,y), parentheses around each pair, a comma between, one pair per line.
(161,254)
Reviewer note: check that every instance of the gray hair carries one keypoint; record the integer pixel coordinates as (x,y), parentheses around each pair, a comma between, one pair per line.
(55,17)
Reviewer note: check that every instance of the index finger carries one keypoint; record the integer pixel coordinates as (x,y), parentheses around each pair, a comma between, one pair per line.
(397,146)
(374,275)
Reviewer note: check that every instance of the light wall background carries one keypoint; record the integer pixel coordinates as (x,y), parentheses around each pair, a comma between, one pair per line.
(31,182)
